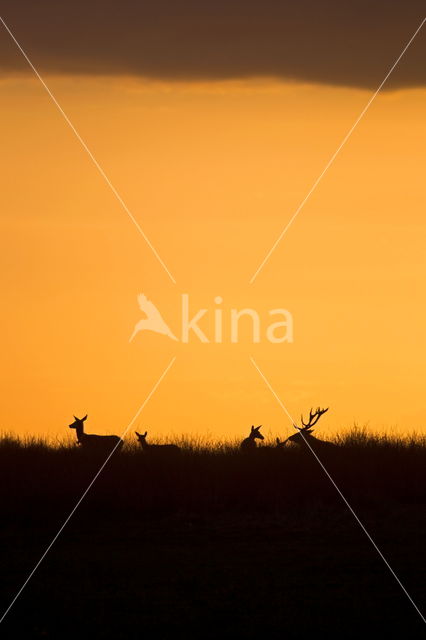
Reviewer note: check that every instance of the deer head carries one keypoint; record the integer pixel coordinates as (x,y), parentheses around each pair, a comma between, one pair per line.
(255,433)
(78,422)
(141,436)
(306,428)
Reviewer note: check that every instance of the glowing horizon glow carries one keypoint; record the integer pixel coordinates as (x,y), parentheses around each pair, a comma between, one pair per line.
(212,171)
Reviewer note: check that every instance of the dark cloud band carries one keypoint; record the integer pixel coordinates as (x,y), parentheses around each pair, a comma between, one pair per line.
(335,42)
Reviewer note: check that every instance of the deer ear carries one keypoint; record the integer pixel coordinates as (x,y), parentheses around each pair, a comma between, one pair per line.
(278,441)
(138,434)
(85,418)
(75,418)
(145,434)
(252,427)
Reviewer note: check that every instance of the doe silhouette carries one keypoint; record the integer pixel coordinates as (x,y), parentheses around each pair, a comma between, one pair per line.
(249,443)
(156,449)
(94,442)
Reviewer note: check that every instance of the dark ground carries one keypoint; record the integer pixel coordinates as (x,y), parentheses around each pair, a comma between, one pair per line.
(214,544)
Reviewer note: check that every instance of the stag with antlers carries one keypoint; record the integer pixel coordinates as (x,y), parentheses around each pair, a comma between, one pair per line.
(304,435)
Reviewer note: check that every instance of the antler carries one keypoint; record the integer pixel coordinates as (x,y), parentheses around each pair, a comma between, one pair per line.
(313,419)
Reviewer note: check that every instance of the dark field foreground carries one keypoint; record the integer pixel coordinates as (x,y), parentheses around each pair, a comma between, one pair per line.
(214,543)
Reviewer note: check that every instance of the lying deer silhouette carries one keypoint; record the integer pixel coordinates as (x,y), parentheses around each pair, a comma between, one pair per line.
(164,449)
(304,434)
(94,442)
(279,444)
(249,443)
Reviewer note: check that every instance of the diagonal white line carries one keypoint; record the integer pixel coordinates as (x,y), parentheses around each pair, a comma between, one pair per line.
(333,157)
(80,500)
(339,491)
(90,154)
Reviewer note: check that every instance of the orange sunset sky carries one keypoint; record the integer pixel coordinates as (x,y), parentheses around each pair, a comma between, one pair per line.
(212,169)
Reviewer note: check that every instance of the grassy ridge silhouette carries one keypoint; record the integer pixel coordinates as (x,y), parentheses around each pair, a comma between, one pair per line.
(211,476)
(214,542)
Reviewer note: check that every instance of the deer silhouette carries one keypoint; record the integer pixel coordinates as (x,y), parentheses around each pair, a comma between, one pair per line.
(94,442)
(156,449)
(249,443)
(304,434)
(280,445)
